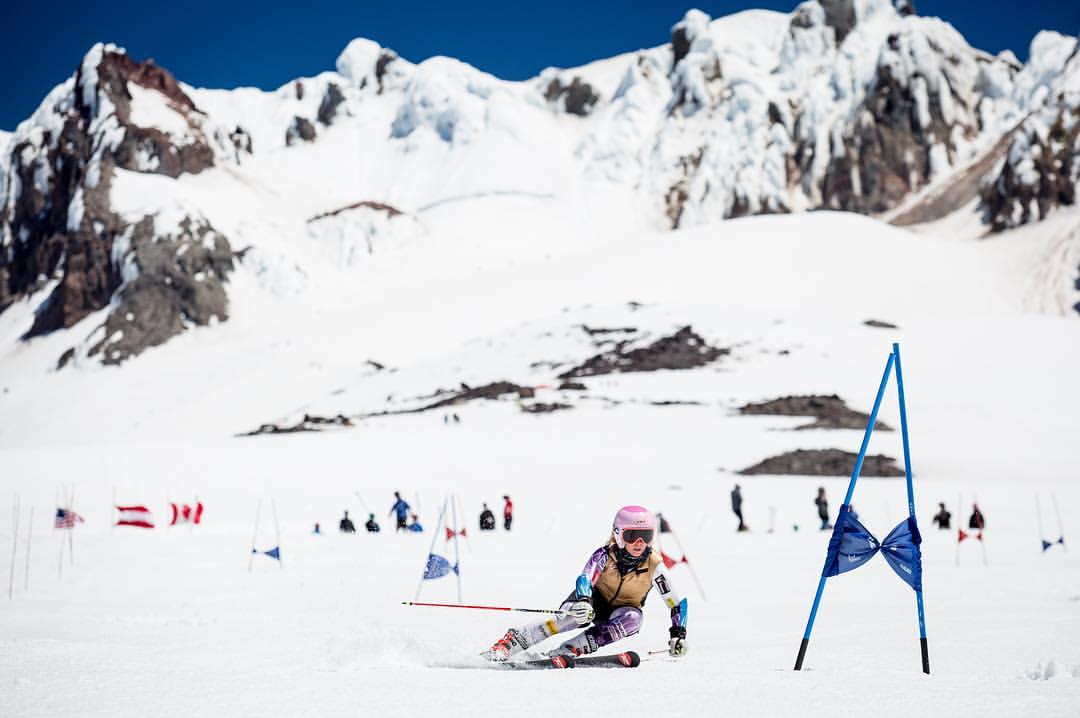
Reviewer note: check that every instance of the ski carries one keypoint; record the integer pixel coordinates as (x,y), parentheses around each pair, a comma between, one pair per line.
(626,659)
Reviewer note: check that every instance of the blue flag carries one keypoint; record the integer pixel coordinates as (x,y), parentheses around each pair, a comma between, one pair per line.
(437,567)
(274,553)
(852,545)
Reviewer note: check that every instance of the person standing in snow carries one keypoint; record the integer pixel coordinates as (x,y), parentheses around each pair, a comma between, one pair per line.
(822,504)
(736,506)
(508,512)
(977,520)
(371,526)
(346,526)
(401,510)
(942,518)
(487,519)
(608,595)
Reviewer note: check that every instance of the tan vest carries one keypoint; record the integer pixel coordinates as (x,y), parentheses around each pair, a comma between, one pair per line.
(628,590)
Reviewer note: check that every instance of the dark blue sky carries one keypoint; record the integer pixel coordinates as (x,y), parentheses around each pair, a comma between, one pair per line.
(226,44)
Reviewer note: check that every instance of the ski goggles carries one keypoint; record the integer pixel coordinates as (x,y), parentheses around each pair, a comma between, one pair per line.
(630,536)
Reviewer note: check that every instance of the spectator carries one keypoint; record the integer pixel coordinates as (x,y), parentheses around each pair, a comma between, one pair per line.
(371,526)
(401,510)
(822,504)
(508,512)
(736,506)
(487,519)
(346,526)
(942,518)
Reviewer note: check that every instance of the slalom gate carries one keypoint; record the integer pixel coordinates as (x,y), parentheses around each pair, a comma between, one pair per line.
(851,544)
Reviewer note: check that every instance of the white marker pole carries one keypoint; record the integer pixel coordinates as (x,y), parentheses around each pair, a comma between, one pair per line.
(1061,528)
(14,543)
(71,531)
(29,535)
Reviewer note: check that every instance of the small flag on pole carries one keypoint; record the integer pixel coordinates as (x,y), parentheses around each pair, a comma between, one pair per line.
(437,567)
(185,514)
(134,516)
(66,518)
(274,553)
(450,533)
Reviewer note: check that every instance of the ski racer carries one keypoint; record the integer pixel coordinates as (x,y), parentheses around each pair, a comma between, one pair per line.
(608,596)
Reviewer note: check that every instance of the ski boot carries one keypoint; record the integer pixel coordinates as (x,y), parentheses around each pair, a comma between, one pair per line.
(513,643)
(580,645)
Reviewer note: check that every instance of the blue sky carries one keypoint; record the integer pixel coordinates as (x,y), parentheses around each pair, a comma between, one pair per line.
(227,44)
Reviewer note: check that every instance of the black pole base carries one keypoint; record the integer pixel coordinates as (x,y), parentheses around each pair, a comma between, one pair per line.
(806,642)
(925,656)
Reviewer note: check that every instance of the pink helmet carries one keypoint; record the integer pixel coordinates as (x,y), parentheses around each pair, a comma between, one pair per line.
(632,523)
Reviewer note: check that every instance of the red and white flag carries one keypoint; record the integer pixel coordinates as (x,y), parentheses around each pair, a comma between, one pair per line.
(134,516)
(186,514)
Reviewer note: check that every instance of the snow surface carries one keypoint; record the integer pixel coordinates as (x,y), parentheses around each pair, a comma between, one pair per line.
(521,224)
(172,618)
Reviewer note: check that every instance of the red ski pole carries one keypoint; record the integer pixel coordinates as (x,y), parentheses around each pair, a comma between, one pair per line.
(485,608)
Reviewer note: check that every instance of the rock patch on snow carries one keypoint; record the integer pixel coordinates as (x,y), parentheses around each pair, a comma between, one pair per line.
(823,462)
(829,412)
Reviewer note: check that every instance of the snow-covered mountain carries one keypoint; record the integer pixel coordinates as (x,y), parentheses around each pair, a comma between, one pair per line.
(129,199)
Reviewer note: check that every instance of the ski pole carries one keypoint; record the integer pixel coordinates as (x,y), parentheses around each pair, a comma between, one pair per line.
(485,608)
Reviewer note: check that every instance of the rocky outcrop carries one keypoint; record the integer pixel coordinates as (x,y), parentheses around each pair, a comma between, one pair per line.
(331,100)
(829,412)
(824,462)
(58,224)
(578,98)
(684,349)
(301,130)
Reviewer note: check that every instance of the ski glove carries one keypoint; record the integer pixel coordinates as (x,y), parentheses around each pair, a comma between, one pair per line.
(677,643)
(581,611)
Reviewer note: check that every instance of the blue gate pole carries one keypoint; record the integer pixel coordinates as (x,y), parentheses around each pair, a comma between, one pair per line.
(911,502)
(847,501)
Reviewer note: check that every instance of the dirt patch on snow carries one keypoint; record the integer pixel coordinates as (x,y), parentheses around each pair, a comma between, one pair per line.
(684,349)
(824,462)
(829,412)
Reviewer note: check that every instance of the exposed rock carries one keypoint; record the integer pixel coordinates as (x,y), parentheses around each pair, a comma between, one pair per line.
(300,130)
(180,282)
(878,324)
(390,210)
(682,350)
(824,462)
(61,211)
(829,412)
(542,408)
(572,386)
(840,16)
(1041,172)
(299,87)
(593,331)
(308,423)
(904,7)
(578,97)
(328,108)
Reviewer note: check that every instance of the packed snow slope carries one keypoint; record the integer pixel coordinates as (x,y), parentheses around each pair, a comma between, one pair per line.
(362,263)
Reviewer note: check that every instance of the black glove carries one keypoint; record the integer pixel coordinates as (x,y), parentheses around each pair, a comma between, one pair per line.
(677,643)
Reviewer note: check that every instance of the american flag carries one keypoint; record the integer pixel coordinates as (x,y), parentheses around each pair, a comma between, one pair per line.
(66,518)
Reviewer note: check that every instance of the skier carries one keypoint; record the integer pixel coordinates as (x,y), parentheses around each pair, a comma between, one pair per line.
(822,504)
(401,509)
(508,512)
(942,518)
(977,521)
(487,519)
(415,526)
(346,526)
(608,595)
(371,526)
(736,506)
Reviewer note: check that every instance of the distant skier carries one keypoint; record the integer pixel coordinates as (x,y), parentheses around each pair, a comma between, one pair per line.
(401,510)
(822,504)
(608,595)
(977,520)
(371,526)
(508,512)
(415,525)
(317,531)
(736,506)
(346,526)
(487,519)
(943,518)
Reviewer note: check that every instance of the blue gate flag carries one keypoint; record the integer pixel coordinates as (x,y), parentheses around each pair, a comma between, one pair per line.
(852,545)
(901,549)
(437,567)
(274,553)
